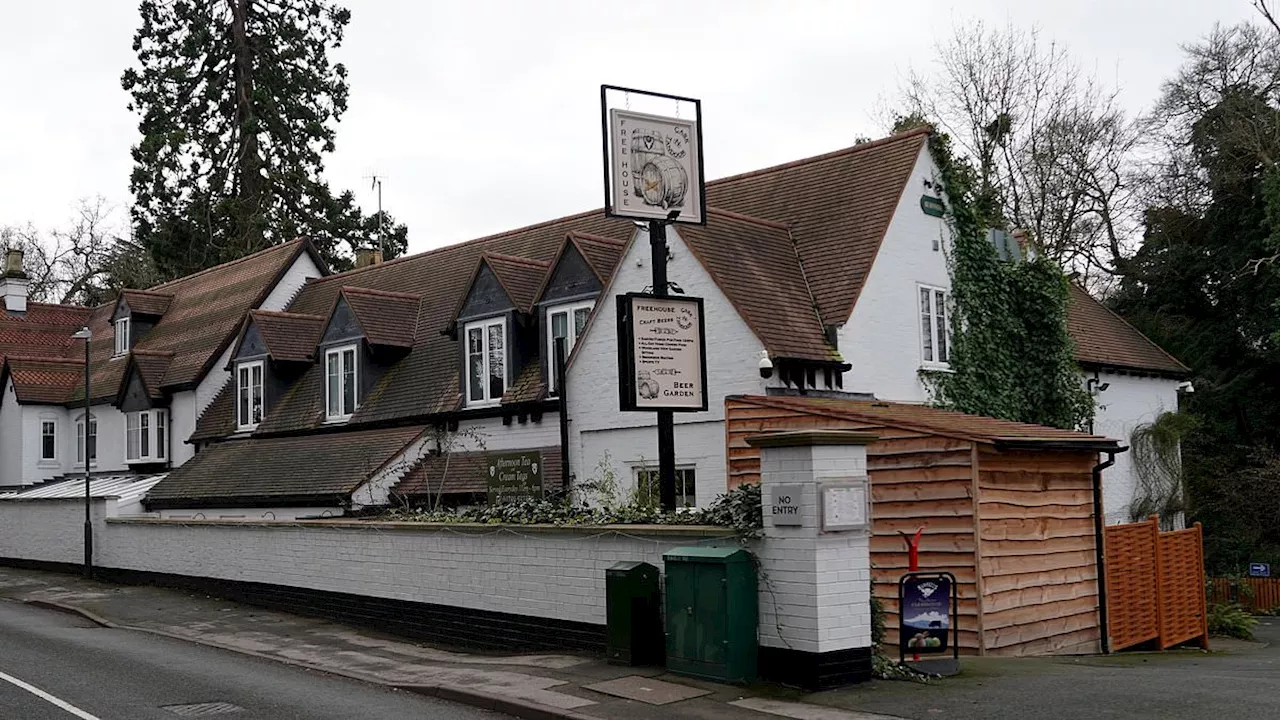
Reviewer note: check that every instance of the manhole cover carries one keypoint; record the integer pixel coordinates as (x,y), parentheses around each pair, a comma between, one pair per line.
(203,709)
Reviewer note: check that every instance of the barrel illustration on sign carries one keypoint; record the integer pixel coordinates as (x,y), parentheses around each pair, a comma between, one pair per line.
(655,166)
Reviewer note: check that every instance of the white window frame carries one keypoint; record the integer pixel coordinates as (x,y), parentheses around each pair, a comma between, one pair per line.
(340,352)
(53,423)
(929,355)
(639,471)
(93,432)
(243,370)
(123,327)
(571,327)
(152,429)
(483,326)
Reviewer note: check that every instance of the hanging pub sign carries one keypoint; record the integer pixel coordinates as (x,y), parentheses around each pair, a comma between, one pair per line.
(513,476)
(927,613)
(653,163)
(662,359)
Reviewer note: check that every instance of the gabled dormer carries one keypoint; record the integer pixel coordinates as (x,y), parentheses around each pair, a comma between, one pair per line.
(496,326)
(367,331)
(146,407)
(273,350)
(578,275)
(136,312)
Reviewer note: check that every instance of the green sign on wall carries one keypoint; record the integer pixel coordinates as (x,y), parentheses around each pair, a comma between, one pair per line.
(514,476)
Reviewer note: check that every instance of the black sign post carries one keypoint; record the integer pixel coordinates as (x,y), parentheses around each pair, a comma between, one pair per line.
(928,611)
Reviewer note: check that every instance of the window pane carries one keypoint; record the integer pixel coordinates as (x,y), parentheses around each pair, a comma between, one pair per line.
(475,364)
(559,325)
(144,435)
(686,492)
(334,380)
(255,402)
(80,441)
(131,436)
(497,362)
(348,382)
(940,312)
(242,416)
(160,435)
(579,322)
(49,441)
(93,439)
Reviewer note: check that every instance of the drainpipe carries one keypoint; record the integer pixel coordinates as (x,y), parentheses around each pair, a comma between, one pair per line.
(1098,523)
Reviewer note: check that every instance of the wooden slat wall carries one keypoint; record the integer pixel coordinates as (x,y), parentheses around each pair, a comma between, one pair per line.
(916,479)
(1039,567)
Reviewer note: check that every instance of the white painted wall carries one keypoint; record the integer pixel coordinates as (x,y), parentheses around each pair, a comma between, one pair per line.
(1127,402)
(277,513)
(302,269)
(882,337)
(10,438)
(597,426)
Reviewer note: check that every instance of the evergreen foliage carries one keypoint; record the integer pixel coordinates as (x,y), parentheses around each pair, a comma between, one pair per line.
(1011,355)
(238,101)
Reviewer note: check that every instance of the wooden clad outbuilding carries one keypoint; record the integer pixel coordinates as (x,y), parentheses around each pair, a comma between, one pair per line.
(1007,507)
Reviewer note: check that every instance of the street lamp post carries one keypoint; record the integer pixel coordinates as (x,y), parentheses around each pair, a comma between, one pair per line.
(86,335)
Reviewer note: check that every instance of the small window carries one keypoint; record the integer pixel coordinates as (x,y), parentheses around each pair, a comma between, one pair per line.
(249,402)
(486,361)
(122,336)
(341,375)
(93,440)
(649,492)
(564,321)
(48,440)
(145,436)
(935,333)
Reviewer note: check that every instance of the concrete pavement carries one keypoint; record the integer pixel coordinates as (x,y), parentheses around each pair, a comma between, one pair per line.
(1237,679)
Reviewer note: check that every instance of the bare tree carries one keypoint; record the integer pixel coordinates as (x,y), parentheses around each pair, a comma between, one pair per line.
(85,262)
(1050,142)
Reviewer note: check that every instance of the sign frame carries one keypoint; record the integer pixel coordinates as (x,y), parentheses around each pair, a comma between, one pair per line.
(627,360)
(825,485)
(939,666)
(1260,569)
(792,492)
(498,493)
(606,144)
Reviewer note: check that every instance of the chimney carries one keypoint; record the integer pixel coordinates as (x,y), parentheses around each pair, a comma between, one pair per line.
(13,283)
(368,256)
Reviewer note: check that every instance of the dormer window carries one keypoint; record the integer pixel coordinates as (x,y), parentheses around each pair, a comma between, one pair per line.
(249,397)
(341,375)
(486,361)
(564,321)
(145,436)
(122,336)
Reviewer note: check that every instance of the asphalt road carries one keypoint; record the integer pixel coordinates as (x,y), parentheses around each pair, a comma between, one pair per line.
(55,666)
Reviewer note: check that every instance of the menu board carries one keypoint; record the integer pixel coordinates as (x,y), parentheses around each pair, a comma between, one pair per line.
(664,364)
(844,505)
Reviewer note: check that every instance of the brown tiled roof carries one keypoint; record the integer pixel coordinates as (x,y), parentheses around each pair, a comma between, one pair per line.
(755,263)
(325,465)
(43,380)
(427,380)
(520,277)
(387,318)
(527,387)
(289,337)
(200,322)
(927,419)
(1104,339)
(601,253)
(151,366)
(838,207)
(467,473)
(43,331)
(147,302)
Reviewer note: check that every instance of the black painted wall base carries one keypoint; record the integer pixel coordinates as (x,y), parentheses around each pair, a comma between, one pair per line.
(440,624)
(815,671)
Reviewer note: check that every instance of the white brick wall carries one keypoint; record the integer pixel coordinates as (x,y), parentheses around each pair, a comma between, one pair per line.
(1127,402)
(815,589)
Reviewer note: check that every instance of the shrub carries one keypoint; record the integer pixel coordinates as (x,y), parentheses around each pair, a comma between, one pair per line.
(1231,620)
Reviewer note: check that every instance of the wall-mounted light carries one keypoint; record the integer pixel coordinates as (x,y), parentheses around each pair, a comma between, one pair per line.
(1094,385)
(1186,387)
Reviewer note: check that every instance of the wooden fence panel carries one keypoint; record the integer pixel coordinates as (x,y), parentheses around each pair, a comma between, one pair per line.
(1255,594)
(1132,611)
(1180,558)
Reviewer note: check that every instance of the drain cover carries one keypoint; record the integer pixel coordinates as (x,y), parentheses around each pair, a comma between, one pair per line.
(203,709)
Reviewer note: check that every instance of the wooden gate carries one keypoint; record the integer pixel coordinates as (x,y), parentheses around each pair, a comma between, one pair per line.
(1155,585)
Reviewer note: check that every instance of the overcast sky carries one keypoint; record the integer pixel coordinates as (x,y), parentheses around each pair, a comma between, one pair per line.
(484,115)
